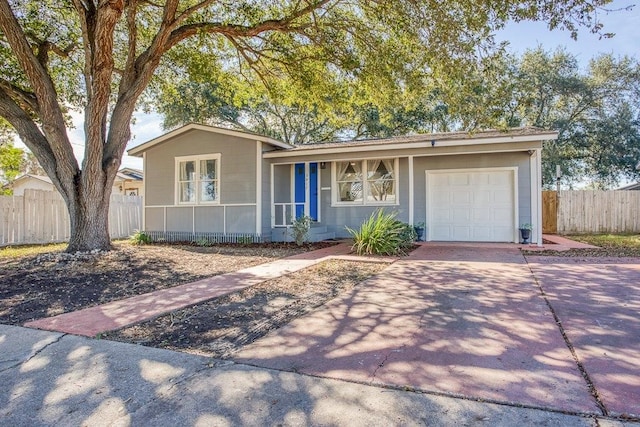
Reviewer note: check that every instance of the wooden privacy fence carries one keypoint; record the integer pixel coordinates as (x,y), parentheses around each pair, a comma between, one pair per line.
(579,212)
(41,217)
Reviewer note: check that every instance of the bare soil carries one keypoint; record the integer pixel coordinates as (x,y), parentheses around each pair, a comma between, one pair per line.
(220,327)
(49,284)
(53,283)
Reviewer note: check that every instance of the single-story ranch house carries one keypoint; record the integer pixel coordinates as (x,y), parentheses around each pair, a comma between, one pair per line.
(209,182)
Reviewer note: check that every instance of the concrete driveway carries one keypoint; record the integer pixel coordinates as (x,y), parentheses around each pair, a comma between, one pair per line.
(474,322)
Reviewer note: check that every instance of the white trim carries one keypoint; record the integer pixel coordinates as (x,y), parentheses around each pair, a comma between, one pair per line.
(222,205)
(197,159)
(539,194)
(258,188)
(384,146)
(144,190)
(533,172)
(307,189)
(318,193)
(411,189)
(136,151)
(272,196)
(513,169)
(193,219)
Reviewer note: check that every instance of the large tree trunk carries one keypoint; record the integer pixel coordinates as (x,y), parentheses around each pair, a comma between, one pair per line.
(88,209)
(89,224)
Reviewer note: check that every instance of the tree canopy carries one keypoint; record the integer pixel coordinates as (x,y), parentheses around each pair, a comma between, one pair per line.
(101,56)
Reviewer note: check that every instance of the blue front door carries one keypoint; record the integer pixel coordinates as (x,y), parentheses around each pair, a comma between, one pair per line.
(300,191)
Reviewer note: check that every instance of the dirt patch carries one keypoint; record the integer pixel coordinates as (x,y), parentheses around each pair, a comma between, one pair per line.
(615,252)
(49,284)
(220,327)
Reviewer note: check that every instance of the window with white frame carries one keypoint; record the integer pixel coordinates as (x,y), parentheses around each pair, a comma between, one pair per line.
(366,182)
(197,179)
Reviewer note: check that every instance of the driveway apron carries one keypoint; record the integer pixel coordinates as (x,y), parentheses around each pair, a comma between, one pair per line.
(598,302)
(459,320)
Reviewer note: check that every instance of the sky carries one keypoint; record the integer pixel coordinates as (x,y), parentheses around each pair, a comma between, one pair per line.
(521,36)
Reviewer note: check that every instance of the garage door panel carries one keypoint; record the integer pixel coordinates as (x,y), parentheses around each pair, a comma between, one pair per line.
(441,198)
(472,206)
(462,232)
(482,233)
(442,232)
(482,196)
(502,178)
(480,215)
(461,197)
(503,197)
(461,215)
(459,179)
(502,216)
(480,179)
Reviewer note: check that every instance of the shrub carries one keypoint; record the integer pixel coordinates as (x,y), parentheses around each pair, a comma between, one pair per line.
(382,234)
(300,229)
(140,238)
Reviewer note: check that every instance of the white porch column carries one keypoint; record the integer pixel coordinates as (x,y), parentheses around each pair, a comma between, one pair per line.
(535,166)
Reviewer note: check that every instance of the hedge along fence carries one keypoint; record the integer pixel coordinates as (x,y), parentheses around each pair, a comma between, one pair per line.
(41,217)
(581,212)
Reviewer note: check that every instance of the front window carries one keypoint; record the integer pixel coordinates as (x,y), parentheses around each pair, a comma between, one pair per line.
(198,180)
(366,182)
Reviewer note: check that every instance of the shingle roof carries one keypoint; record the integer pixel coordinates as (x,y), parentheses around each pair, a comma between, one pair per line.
(444,136)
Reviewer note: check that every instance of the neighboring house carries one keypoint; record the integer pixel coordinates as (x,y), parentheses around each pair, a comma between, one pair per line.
(30,182)
(635,186)
(128,182)
(203,180)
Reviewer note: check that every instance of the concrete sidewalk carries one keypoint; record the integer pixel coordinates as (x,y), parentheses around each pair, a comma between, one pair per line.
(92,321)
(52,379)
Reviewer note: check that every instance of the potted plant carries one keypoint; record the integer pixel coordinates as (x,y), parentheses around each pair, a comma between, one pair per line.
(525,232)
(419,229)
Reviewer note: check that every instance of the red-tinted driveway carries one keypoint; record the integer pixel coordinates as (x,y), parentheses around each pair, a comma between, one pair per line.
(598,303)
(459,320)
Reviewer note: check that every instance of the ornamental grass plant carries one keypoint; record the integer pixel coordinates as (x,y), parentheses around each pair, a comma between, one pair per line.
(382,234)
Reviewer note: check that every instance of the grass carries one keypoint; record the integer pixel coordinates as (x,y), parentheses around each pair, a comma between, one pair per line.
(27,250)
(613,241)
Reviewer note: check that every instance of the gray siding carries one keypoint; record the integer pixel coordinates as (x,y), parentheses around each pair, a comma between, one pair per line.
(266,196)
(237,183)
(237,166)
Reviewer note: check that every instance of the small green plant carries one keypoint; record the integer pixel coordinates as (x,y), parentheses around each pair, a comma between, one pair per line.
(526,226)
(203,241)
(245,240)
(300,229)
(382,234)
(140,238)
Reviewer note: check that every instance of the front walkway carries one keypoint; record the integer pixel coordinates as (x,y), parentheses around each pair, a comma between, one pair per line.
(92,321)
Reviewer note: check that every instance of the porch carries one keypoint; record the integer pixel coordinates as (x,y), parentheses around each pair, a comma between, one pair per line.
(295,189)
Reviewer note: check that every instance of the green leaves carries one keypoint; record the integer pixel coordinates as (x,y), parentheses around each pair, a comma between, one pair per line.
(382,234)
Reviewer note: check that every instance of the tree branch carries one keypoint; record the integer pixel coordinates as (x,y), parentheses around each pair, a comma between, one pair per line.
(33,138)
(50,112)
(17,93)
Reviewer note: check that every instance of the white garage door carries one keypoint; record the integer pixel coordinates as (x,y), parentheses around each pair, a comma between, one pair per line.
(473,206)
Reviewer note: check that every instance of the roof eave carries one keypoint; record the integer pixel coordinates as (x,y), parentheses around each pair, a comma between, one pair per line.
(137,151)
(427,143)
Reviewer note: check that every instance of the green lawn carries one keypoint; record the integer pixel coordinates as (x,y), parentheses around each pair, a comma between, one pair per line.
(610,240)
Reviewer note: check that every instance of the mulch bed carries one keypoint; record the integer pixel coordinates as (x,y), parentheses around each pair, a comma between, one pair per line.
(49,284)
(220,327)
(587,253)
